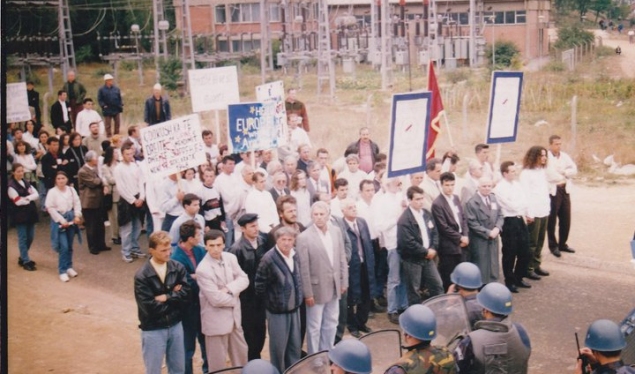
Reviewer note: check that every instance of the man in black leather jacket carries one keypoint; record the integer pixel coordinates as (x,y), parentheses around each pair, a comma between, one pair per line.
(161,291)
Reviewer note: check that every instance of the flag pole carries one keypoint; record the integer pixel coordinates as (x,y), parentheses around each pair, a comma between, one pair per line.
(447,126)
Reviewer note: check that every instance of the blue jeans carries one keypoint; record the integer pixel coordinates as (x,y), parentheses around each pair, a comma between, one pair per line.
(149,223)
(166,342)
(26,232)
(130,237)
(167,222)
(41,189)
(229,235)
(395,290)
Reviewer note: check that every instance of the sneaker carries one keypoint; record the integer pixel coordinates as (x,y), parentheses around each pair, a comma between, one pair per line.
(64,278)
(71,272)
(138,255)
(127,259)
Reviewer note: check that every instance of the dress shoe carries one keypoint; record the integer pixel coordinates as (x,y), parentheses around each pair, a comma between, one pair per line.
(377,308)
(556,252)
(512,288)
(522,284)
(381,301)
(394,318)
(29,266)
(356,334)
(93,252)
(105,249)
(567,249)
(541,272)
(365,329)
(116,241)
(371,314)
(21,262)
(399,311)
(533,276)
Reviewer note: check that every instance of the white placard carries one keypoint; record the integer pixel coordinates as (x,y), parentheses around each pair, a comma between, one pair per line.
(274,92)
(504,107)
(17,103)
(173,146)
(213,89)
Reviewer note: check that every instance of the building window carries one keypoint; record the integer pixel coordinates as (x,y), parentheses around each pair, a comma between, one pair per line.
(499,18)
(510,17)
(220,14)
(521,16)
(235,13)
(274,12)
(245,13)
(464,19)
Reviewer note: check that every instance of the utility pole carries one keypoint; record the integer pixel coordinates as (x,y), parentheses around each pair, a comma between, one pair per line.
(160,27)
(266,53)
(67,51)
(326,70)
(433,32)
(472,45)
(386,52)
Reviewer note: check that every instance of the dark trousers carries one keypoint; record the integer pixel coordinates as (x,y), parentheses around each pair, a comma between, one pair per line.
(381,265)
(561,212)
(537,232)
(254,329)
(447,263)
(75,109)
(191,333)
(342,318)
(357,314)
(166,225)
(95,231)
(302,325)
(515,239)
(420,276)
(108,120)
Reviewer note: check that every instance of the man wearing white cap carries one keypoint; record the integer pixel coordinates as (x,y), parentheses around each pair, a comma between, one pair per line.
(109,97)
(157,108)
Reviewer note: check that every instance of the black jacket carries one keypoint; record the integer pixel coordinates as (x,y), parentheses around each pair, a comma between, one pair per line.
(57,116)
(277,285)
(155,315)
(409,240)
(249,259)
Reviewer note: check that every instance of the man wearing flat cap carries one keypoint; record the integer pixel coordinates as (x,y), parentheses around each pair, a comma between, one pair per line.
(109,98)
(249,251)
(157,107)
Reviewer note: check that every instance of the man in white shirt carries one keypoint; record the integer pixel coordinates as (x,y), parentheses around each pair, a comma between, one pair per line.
(170,199)
(87,116)
(327,174)
(341,193)
(130,184)
(211,149)
(354,175)
(297,135)
(482,155)
(191,206)
(259,201)
(431,185)
(514,236)
(225,184)
(560,170)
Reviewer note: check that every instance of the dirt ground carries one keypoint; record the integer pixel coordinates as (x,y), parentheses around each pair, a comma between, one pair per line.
(89,325)
(627,57)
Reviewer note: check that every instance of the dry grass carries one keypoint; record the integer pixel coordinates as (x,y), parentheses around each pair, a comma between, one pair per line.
(604,126)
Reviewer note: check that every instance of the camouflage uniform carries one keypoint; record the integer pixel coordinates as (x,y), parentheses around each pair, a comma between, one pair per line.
(424,359)
(616,367)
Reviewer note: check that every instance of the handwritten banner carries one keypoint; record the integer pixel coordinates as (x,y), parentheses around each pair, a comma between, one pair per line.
(252,126)
(274,92)
(173,146)
(213,89)
(17,103)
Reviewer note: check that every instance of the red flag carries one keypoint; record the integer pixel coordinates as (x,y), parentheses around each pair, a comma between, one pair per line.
(436,112)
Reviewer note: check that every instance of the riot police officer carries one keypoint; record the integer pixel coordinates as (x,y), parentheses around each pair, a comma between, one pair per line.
(350,356)
(419,326)
(496,345)
(259,366)
(604,343)
(466,280)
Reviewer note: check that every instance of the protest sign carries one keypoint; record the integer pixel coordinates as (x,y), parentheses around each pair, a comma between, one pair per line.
(17,103)
(409,133)
(173,146)
(213,89)
(252,126)
(504,107)
(274,92)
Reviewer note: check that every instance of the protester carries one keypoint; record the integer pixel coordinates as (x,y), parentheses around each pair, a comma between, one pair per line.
(109,97)
(23,213)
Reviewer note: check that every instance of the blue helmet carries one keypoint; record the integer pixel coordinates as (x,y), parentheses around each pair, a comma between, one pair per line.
(259,366)
(352,355)
(419,322)
(605,336)
(496,298)
(467,275)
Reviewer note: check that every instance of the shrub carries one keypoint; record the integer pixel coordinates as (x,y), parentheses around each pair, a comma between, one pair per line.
(507,54)
(572,35)
(170,73)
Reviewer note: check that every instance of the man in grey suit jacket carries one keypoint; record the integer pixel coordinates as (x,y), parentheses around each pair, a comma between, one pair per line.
(324,272)
(485,222)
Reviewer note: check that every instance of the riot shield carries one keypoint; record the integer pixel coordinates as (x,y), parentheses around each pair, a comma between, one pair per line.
(452,320)
(234,370)
(385,348)
(317,363)
(628,329)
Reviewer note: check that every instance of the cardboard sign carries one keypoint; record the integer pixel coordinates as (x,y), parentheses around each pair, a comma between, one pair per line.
(213,89)
(274,92)
(409,131)
(252,126)
(173,146)
(17,103)
(504,107)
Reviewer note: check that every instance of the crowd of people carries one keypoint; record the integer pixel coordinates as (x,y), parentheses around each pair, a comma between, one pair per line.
(285,244)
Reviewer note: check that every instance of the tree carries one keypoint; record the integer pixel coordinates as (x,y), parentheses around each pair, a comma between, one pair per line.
(572,35)
(600,6)
(506,53)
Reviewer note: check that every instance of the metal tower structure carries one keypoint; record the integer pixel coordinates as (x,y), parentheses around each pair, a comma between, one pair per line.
(386,47)
(160,42)
(67,51)
(433,32)
(266,52)
(326,68)
(186,41)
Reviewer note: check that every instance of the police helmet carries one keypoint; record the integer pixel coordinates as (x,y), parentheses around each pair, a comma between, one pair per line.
(466,275)
(605,336)
(496,298)
(259,366)
(419,322)
(352,355)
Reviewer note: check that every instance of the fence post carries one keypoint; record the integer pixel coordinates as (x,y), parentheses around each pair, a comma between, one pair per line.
(574,120)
